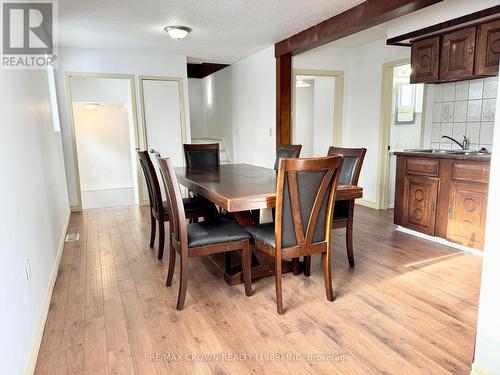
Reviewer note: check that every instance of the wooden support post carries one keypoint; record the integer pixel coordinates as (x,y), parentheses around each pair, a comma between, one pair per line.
(283,99)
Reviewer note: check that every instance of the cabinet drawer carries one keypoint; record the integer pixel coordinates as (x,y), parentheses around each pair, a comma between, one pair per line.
(473,172)
(424,167)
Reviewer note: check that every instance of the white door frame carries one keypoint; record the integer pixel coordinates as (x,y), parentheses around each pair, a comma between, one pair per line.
(130,78)
(385,128)
(338,100)
(184,136)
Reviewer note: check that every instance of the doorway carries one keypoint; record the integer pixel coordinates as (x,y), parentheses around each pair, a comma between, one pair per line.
(317,110)
(105,136)
(402,125)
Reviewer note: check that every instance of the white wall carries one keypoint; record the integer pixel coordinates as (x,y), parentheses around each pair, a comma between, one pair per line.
(239,105)
(365,86)
(488,327)
(254,108)
(106,61)
(431,15)
(197,117)
(362,67)
(218,106)
(34,212)
(327,58)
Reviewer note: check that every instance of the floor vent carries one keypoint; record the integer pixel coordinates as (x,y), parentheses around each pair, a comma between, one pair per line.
(72,237)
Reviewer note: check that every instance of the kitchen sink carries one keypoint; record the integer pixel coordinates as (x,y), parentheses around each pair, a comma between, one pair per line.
(451,152)
(430,151)
(469,152)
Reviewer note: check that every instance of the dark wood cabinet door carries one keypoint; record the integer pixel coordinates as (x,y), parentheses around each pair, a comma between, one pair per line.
(425,60)
(457,54)
(419,203)
(467,214)
(488,48)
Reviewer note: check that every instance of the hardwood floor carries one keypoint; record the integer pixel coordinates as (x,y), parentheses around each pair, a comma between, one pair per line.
(408,307)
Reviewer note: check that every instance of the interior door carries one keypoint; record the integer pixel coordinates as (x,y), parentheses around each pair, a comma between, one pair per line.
(163,120)
(420,195)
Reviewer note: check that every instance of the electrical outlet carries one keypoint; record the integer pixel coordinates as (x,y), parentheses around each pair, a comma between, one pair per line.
(27,269)
(270,132)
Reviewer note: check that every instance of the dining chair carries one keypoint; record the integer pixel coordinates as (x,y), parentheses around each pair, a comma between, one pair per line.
(198,239)
(202,155)
(305,192)
(343,211)
(286,151)
(158,207)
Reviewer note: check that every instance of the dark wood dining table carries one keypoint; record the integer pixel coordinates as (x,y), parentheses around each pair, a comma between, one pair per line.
(242,190)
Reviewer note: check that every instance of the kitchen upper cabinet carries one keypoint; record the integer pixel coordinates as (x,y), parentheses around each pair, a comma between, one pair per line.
(457,54)
(425,60)
(488,48)
(467,213)
(419,203)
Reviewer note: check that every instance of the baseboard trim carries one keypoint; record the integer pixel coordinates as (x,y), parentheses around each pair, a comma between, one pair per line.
(477,370)
(367,203)
(440,241)
(75,208)
(37,339)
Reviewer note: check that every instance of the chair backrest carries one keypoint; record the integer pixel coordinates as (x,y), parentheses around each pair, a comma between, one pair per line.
(202,155)
(154,191)
(286,151)
(305,192)
(353,161)
(175,205)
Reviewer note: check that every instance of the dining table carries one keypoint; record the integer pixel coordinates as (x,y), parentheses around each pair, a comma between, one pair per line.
(241,191)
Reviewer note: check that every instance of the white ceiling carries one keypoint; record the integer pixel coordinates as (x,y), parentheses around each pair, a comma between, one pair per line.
(223,30)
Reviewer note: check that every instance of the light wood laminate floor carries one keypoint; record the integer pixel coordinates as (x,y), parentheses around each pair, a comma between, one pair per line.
(408,307)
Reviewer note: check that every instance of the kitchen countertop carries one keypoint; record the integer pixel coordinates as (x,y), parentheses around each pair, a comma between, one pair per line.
(477,157)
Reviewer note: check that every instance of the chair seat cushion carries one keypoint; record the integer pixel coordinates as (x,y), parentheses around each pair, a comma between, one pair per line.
(190,205)
(341,210)
(219,231)
(263,233)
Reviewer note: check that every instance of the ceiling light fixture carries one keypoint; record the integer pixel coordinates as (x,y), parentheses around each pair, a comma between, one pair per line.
(91,105)
(301,83)
(177,31)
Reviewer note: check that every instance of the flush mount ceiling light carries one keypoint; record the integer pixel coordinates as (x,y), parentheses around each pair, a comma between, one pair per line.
(301,83)
(91,105)
(177,31)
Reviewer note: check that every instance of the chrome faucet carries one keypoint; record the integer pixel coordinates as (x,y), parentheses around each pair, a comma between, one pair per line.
(465,144)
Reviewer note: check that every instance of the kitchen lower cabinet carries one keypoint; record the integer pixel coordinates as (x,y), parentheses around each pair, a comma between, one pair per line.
(420,194)
(443,195)
(467,214)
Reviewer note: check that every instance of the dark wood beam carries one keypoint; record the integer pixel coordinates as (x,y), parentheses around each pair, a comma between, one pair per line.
(361,17)
(283,99)
(467,20)
(204,69)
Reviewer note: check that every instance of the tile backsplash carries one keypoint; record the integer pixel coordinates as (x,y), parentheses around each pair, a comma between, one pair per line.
(464,108)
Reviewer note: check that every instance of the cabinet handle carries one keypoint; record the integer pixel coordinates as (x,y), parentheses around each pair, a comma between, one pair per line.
(450,211)
(471,49)
(433,206)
